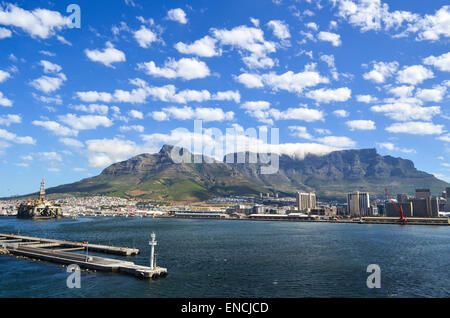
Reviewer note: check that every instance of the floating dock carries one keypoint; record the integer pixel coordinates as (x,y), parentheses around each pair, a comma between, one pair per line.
(59,251)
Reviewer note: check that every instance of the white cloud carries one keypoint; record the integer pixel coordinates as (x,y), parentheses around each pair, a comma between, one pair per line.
(335,141)
(5,33)
(366,99)
(280,29)
(85,122)
(92,108)
(136,114)
(185,68)
(7,120)
(248,39)
(184,113)
(361,124)
(334,38)
(177,15)
(312,26)
(204,47)
(381,71)
(441,62)
(330,95)
(402,91)
(4,76)
(432,27)
(256,105)
(137,128)
(300,132)
(5,101)
(48,84)
(413,75)
(50,67)
(71,142)
(227,95)
(289,81)
(250,80)
(40,23)
(405,112)
(9,136)
(416,128)
(50,156)
(145,37)
(434,94)
(108,56)
(341,113)
(55,128)
(390,146)
(445,138)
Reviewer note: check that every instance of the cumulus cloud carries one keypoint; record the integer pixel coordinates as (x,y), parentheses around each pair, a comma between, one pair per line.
(441,62)
(136,114)
(5,33)
(166,93)
(7,120)
(341,113)
(85,122)
(4,76)
(435,94)
(405,112)
(48,84)
(413,75)
(333,38)
(137,128)
(361,124)
(300,132)
(204,47)
(5,101)
(185,68)
(337,141)
(366,99)
(330,95)
(50,67)
(107,56)
(177,15)
(184,113)
(145,37)
(92,108)
(248,39)
(392,147)
(381,71)
(41,23)
(55,127)
(280,29)
(416,128)
(9,136)
(289,81)
(71,142)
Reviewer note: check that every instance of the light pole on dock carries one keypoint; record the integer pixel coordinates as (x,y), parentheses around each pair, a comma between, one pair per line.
(152,243)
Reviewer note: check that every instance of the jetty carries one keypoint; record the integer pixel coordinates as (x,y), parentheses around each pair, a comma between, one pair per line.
(68,252)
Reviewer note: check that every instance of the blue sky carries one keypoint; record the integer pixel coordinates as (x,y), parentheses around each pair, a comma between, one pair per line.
(329,74)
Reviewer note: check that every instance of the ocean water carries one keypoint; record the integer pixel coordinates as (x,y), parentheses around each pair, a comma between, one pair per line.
(227,258)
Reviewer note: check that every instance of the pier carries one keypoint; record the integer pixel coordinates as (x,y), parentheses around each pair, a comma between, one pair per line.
(61,252)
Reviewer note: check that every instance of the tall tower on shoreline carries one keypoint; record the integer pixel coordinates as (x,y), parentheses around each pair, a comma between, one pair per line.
(42,191)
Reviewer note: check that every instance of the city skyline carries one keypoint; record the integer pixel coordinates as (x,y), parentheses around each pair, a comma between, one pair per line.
(329,74)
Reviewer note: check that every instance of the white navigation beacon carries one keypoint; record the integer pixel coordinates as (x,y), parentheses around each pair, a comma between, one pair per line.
(152,243)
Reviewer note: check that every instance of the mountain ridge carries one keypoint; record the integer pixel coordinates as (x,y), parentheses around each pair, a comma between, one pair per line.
(159,177)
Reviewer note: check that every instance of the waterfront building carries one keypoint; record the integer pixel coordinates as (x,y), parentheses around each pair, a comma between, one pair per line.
(402,197)
(407,207)
(306,201)
(358,203)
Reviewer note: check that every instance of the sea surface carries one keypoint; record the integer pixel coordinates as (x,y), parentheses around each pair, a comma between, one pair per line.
(229,258)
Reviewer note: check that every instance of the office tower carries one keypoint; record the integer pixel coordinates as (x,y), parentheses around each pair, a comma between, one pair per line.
(306,201)
(358,203)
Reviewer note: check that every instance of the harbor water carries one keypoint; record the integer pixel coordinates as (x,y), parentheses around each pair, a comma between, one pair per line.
(229,258)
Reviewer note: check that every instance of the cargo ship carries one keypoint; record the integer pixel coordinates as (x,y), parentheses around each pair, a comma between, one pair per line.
(39,209)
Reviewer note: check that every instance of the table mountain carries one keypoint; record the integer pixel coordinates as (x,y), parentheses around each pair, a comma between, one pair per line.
(159,178)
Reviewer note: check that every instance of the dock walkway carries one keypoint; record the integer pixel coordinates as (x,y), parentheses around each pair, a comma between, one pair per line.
(56,251)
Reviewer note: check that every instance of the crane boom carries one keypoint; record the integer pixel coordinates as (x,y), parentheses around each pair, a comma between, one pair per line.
(398,208)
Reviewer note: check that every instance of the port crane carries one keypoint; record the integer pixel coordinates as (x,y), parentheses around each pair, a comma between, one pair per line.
(398,208)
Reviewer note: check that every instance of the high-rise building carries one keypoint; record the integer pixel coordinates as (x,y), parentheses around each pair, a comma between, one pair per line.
(423,193)
(306,201)
(358,203)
